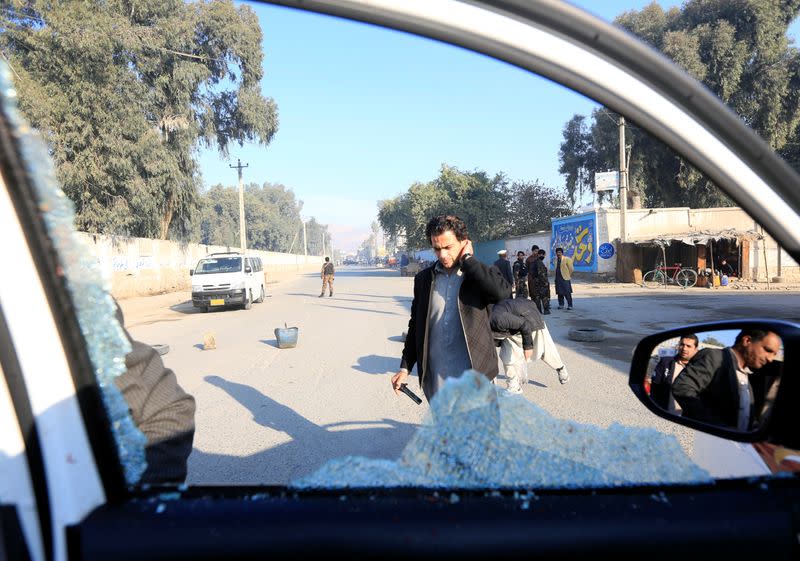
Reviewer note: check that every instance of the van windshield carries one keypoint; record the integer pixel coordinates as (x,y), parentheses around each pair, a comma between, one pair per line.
(219,265)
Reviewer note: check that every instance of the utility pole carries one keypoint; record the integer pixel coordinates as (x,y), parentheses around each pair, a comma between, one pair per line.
(305,243)
(323,243)
(242,238)
(623,182)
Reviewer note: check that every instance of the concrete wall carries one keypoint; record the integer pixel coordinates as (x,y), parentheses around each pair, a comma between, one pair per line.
(646,222)
(607,225)
(514,244)
(139,266)
(486,252)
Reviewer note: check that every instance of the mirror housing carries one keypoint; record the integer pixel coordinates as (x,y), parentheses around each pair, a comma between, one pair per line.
(191,272)
(248,269)
(779,420)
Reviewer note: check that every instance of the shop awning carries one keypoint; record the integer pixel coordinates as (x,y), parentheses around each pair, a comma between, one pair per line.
(698,237)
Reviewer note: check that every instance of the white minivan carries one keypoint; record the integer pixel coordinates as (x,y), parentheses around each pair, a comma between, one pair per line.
(227,279)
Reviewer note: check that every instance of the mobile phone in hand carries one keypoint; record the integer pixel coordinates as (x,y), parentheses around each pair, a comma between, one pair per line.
(409,393)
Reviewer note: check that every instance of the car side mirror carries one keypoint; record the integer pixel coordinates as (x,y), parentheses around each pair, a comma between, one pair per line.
(191,272)
(248,269)
(732,379)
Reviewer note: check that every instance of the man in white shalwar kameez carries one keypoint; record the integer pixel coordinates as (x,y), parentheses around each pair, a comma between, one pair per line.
(522,335)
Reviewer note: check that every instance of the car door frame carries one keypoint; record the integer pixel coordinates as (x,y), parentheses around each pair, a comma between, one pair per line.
(738,517)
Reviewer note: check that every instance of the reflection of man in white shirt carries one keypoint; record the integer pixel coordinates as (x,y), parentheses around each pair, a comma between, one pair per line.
(745,391)
(668,369)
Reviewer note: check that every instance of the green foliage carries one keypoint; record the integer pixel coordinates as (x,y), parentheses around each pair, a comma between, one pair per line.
(739,49)
(316,235)
(491,207)
(713,342)
(272,216)
(480,200)
(124,92)
(532,205)
(573,157)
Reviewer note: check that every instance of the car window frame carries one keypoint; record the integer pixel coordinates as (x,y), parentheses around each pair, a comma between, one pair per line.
(594,31)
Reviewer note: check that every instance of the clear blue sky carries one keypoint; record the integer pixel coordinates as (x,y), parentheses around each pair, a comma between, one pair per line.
(365,112)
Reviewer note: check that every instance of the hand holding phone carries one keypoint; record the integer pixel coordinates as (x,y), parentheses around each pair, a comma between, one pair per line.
(409,393)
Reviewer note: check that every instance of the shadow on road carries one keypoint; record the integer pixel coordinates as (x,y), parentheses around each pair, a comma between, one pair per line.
(352,308)
(374,364)
(311,446)
(185,308)
(359,273)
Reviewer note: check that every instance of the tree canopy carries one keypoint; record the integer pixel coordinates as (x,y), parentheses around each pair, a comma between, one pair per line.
(740,50)
(491,205)
(126,91)
(272,216)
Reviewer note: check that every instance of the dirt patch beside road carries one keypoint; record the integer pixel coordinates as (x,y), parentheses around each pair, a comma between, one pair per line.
(145,310)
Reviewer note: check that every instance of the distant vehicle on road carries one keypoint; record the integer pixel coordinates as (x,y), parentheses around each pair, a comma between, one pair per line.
(227,279)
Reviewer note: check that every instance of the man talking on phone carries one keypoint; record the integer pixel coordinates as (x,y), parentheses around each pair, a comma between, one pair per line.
(449,329)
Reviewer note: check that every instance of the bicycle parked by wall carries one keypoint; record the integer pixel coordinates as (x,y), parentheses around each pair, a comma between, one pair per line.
(663,275)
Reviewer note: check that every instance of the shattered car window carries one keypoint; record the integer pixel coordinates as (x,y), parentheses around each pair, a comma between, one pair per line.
(94,306)
(478,437)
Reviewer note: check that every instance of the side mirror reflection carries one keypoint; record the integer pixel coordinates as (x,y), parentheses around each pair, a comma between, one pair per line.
(727,378)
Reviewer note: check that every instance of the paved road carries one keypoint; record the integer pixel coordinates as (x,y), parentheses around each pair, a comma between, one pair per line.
(267,415)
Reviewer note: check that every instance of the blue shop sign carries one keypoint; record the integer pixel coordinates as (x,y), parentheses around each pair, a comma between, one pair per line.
(606,251)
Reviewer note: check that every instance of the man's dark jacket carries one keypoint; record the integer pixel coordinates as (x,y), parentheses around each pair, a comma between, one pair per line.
(516,316)
(505,269)
(708,391)
(481,287)
(161,410)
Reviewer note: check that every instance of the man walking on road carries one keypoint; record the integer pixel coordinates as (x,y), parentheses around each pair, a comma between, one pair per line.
(522,335)
(449,328)
(327,277)
(564,271)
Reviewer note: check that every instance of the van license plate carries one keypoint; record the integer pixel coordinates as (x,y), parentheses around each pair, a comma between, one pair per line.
(217,302)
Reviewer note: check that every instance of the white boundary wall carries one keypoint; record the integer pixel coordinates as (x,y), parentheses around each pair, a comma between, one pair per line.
(140,266)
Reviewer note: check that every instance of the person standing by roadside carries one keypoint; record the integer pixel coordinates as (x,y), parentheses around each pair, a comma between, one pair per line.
(540,284)
(504,266)
(327,277)
(529,264)
(449,328)
(564,269)
(520,275)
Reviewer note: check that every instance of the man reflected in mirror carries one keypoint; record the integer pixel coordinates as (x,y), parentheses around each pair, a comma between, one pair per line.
(449,328)
(668,368)
(719,386)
